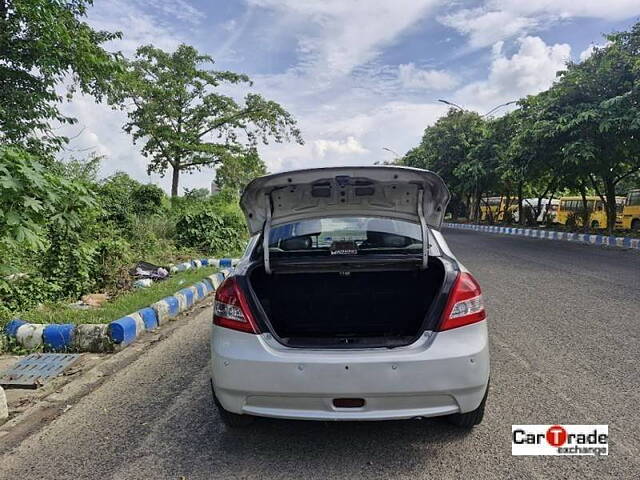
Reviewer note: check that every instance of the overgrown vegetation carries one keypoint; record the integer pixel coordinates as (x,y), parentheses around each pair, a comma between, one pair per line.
(581,136)
(88,236)
(64,231)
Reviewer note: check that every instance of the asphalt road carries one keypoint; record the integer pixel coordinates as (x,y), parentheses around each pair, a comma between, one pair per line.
(564,321)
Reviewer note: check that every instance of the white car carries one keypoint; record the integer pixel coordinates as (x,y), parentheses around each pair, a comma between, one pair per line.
(348,304)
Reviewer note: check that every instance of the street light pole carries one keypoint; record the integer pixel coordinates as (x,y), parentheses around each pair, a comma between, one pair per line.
(451,104)
(388,149)
(499,106)
(455,105)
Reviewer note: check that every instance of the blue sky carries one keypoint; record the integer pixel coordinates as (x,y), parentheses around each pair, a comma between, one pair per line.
(359,75)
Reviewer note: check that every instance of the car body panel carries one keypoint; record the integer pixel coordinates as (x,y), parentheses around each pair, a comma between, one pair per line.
(439,374)
(382,191)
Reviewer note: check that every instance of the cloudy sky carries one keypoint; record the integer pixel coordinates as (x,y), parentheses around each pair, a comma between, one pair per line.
(359,75)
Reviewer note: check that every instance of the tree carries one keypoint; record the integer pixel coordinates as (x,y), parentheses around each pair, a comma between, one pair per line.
(42,44)
(237,171)
(184,122)
(450,148)
(595,110)
(196,194)
(82,169)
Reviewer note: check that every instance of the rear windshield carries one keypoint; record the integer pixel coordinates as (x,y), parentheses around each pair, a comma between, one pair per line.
(346,235)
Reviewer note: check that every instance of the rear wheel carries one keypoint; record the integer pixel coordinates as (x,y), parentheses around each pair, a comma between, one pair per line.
(231,420)
(635,225)
(470,419)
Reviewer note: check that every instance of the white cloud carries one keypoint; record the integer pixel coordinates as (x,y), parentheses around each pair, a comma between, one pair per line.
(395,125)
(338,35)
(411,76)
(587,52)
(348,146)
(605,9)
(484,27)
(144,23)
(532,69)
(501,19)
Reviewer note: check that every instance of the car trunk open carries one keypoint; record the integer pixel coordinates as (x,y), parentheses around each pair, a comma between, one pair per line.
(348,308)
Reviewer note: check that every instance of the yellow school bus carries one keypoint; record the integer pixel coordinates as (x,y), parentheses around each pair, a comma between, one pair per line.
(595,207)
(489,208)
(495,207)
(512,208)
(631,211)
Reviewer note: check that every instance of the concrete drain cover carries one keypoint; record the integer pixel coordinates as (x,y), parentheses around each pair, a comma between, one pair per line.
(36,369)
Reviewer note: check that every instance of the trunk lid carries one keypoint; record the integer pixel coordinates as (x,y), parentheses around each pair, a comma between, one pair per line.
(382,191)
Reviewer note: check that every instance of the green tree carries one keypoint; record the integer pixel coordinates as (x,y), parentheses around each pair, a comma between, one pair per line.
(595,110)
(184,122)
(236,171)
(83,169)
(196,194)
(451,148)
(42,43)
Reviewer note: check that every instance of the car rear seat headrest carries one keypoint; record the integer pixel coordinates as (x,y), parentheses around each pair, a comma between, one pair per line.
(296,243)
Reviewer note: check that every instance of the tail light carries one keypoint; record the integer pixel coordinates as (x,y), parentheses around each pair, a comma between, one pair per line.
(231,309)
(465,305)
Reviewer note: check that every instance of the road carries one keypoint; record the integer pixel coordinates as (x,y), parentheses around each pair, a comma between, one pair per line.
(564,321)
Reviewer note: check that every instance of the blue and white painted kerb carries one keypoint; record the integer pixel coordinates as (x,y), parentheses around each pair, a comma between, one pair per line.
(624,242)
(120,332)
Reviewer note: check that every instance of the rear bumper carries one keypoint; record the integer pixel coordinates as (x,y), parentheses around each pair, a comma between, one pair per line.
(439,374)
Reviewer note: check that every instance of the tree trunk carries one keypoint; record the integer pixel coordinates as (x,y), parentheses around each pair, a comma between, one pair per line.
(476,206)
(175,180)
(520,209)
(547,211)
(469,205)
(585,211)
(610,194)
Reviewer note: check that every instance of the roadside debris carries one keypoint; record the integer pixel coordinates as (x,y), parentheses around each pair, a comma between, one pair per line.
(145,270)
(91,300)
(143,283)
(95,299)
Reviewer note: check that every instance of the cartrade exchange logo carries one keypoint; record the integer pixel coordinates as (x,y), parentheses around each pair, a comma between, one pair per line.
(560,440)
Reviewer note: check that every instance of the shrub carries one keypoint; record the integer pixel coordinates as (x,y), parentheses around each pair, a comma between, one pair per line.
(114,196)
(68,263)
(211,229)
(147,199)
(111,259)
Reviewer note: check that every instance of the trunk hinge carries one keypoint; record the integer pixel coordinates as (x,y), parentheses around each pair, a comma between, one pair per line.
(266,233)
(425,230)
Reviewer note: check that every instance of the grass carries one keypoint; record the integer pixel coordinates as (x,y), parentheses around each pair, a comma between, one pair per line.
(120,306)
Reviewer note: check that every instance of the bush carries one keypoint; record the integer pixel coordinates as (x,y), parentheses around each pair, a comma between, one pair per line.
(213,229)
(65,234)
(148,200)
(68,263)
(23,292)
(111,259)
(114,196)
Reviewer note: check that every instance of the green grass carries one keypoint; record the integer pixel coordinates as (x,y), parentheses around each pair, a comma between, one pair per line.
(120,306)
